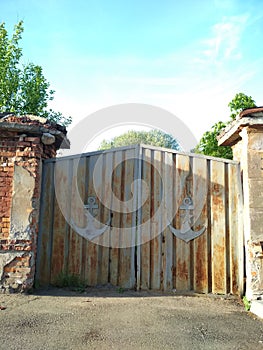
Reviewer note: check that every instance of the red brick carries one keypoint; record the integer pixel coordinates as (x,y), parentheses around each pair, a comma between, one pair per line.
(23,143)
(33,139)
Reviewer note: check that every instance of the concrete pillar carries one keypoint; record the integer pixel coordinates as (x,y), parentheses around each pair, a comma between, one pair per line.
(24,143)
(245,136)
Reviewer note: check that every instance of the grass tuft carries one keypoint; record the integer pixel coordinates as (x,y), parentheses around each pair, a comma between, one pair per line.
(71,281)
(247,303)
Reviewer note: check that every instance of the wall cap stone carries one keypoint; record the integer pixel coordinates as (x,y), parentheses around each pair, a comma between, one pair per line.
(252,112)
(35,126)
(231,134)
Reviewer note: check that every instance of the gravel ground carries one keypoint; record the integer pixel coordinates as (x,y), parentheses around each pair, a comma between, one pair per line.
(107,319)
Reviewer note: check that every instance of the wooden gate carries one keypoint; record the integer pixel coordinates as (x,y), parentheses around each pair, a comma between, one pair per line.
(164,220)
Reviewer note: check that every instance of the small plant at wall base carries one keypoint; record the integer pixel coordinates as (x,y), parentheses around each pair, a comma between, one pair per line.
(71,281)
(247,303)
(23,88)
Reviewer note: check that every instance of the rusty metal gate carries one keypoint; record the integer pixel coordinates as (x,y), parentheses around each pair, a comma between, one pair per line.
(143,217)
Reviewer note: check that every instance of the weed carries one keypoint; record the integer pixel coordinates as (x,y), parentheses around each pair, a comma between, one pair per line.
(247,303)
(72,281)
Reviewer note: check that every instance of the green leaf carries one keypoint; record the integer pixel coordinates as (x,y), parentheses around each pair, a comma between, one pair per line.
(208,144)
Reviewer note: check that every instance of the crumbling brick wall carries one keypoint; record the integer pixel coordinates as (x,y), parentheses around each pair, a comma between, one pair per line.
(24,143)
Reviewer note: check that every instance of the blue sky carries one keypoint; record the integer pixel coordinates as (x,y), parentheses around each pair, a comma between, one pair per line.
(188,57)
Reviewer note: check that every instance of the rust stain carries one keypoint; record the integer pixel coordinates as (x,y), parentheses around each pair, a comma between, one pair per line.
(234,275)
(217,207)
(219,268)
(93,263)
(216,189)
(201,279)
(182,270)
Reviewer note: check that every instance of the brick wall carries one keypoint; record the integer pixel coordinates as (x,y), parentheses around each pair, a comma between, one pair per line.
(22,149)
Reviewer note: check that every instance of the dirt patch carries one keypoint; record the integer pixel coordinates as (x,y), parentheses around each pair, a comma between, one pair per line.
(113,319)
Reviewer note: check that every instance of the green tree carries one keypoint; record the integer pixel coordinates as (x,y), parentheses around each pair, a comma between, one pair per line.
(239,103)
(154,137)
(208,144)
(23,88)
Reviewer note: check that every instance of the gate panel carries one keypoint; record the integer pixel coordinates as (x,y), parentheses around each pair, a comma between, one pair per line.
(67,184)
(207,263)
(148,244)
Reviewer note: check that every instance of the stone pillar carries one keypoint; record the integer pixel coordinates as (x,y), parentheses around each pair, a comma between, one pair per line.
(24,143)
(245,136)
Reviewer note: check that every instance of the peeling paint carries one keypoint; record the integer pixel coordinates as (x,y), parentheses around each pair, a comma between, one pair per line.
(23,188)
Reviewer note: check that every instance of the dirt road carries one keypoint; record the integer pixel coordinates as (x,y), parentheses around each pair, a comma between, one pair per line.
(112,319)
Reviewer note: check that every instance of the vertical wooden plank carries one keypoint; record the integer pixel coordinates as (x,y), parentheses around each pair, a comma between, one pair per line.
(200,192)
(191,243)
(81,178)
(209,228)
(240,232)
(92,252)
(182,248)
(57,258)
(173,222)
(145,250)
(62,186)
(138,215)
(218,229)
(227,245)
(133,220)
(45,225)
(63,193)
(235,230)
(85,265)
(104,240)
(156,242)
(167,241)
(102,272)
(116,220)
(126,254)
(77,208)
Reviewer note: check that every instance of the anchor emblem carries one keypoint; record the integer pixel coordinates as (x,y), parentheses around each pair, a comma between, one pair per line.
(90,231)
(186,233)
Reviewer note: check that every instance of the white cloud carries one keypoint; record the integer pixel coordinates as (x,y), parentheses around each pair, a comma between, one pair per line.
(224,42)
